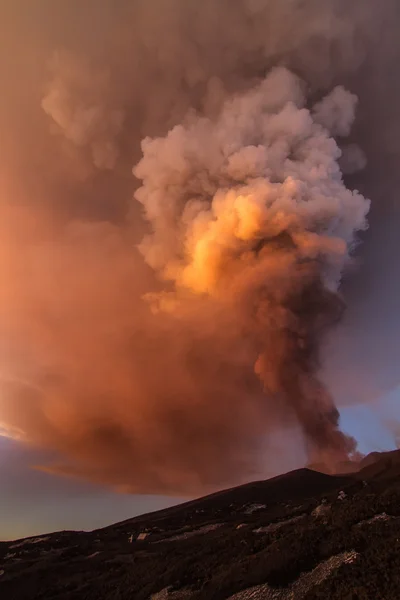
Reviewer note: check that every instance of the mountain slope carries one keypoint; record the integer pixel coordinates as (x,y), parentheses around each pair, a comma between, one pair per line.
(303,535)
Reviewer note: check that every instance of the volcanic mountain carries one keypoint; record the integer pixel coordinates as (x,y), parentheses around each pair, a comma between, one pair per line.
(303,535)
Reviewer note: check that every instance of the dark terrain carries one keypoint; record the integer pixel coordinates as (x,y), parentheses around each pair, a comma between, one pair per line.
(303,535)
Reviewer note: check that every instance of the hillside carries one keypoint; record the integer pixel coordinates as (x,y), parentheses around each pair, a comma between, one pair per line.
(303,535)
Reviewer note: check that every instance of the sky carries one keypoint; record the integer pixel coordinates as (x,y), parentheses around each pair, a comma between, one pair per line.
(148,341)
(33,502)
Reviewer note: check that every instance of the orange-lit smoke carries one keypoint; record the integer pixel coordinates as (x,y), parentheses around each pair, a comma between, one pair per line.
(250,210)
(155,342)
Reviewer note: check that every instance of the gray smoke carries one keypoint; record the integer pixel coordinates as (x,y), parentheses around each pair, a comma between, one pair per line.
(115,363)
(250,210)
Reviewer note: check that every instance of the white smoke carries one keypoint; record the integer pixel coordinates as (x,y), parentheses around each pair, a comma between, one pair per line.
(353,159)
(266,165)
(336,112)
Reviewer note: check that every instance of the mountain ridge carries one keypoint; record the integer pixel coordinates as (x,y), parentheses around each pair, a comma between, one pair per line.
(301,535)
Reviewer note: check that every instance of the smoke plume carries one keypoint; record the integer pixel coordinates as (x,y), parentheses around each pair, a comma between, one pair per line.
(250,209)
(159,329)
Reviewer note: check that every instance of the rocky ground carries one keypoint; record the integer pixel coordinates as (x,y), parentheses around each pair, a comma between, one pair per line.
(304,535)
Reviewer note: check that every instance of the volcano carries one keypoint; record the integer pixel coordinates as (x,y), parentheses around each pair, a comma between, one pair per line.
(302,535)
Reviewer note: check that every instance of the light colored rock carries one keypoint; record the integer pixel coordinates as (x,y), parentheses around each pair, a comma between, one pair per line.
(254,508)
(275,526)
(93,555)
(34,540)
(321,512)
(380,517)
(302,585)
(166,594)
(192,533)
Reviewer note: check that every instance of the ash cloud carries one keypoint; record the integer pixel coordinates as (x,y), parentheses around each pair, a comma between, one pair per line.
(156,342)
(78,104)
(251,209)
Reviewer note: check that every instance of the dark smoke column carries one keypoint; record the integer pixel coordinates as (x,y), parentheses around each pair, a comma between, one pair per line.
(289,366)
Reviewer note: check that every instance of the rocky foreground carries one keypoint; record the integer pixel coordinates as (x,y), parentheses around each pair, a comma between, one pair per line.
(304,535)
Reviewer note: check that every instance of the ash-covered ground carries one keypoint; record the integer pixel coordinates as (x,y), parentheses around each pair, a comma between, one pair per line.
(303,535)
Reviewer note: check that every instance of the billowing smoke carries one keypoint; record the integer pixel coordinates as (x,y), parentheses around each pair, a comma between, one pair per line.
(160,331)
(250,209)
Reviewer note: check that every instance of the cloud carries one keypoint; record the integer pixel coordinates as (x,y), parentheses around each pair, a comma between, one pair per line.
(140,373)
